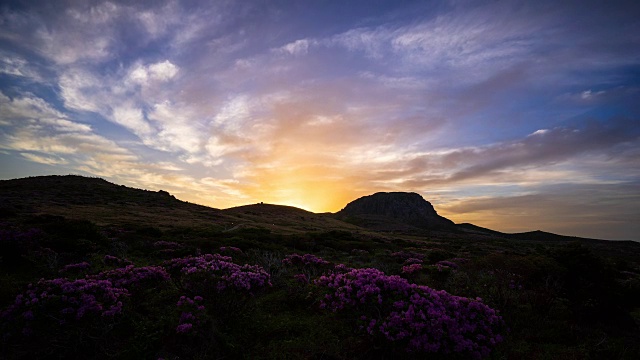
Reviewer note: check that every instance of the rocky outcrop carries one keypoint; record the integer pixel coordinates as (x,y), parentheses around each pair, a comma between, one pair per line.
(395,207)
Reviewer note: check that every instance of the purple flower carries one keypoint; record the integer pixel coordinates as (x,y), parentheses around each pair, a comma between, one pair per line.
(420,318)
(301,260)
(410,269)
(231,249)
(61,301)
(192,313)
(217,272)
(184,328)
(134,278)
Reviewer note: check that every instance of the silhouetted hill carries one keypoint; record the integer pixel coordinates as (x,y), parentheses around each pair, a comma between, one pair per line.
(475,229)
(394,211)
(100,201)
(543,235)
(105,203)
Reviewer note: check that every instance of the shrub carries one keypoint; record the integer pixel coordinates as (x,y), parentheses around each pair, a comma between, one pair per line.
(200,273)
(415,317)
(81,311)
(134,278)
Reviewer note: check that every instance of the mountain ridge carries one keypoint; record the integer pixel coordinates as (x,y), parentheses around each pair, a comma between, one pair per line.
(105,202)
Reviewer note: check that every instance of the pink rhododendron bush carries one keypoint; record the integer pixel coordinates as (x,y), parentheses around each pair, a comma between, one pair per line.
(416,317)
(202,274)
(62,304)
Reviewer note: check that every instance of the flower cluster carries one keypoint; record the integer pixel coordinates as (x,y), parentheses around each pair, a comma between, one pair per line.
(134,278)
(230,249)
(218,271)
(410,261)
(410,269)
(192,314)
(418,317)
(304,279)
(306,259)
(61,301)
(341,268)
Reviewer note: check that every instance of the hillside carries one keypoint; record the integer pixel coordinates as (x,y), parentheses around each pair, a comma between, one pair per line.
(106,203)
(117,272)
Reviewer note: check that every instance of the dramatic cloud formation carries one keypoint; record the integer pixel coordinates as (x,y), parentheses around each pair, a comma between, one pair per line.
(510,115)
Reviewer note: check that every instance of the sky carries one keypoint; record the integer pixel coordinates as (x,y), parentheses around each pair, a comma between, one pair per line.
(512,115)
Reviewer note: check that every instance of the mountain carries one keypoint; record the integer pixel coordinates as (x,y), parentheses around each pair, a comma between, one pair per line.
(108,204)
(394,211)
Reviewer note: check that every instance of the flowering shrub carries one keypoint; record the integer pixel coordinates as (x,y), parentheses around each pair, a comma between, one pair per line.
(134,278)
(230,249)
(341,268)
(51,303)
(302,278)
(306,259)
(410,269)
(410,261)
(418,318)
(192,314)
(217,271)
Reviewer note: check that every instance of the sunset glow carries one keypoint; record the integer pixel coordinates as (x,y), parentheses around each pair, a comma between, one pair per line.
(510,115)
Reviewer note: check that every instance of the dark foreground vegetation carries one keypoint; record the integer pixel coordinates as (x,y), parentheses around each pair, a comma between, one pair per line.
(76,287)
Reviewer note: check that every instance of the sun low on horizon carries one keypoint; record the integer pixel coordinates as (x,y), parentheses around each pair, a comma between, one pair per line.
(510,115)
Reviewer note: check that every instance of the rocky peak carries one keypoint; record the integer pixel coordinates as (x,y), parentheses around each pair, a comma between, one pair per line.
(405,207)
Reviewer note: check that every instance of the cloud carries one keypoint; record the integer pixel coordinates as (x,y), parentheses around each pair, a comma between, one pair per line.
(82,90)
(15,65)
(525,161)
(34,111)
(605,211)
(47,160)
(133,119)
(161,71)
(298,47)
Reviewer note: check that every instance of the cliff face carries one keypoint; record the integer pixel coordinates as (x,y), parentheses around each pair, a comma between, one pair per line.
(399,207)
